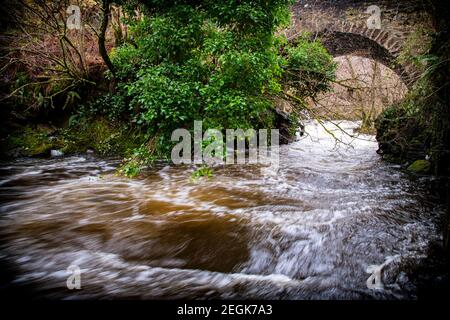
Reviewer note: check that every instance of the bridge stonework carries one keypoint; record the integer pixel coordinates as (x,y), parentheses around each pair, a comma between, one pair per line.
(344,29)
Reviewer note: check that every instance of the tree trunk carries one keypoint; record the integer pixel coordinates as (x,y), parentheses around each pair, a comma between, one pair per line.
(102,36)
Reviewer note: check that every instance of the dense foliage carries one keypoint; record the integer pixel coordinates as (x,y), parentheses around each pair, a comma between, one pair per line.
(220,62)
(188,63)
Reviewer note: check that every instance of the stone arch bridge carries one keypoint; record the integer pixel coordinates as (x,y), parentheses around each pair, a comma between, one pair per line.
(354,27)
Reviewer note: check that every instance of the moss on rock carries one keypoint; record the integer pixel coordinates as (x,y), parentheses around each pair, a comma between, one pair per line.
(102,136)
(420,166)
(32,141)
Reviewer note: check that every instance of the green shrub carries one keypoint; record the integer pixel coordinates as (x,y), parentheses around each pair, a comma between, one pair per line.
(203,171)
(216,61)
(309,68)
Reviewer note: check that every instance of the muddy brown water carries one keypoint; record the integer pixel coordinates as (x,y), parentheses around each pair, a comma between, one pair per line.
(307,231)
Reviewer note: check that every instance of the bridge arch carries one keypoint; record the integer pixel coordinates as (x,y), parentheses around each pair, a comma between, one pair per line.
(342,43)
(343,27)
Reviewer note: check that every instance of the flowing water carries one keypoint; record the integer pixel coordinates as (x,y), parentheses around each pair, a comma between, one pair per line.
(307,231)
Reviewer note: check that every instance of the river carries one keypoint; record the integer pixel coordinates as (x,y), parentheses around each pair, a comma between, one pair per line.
(307,231)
